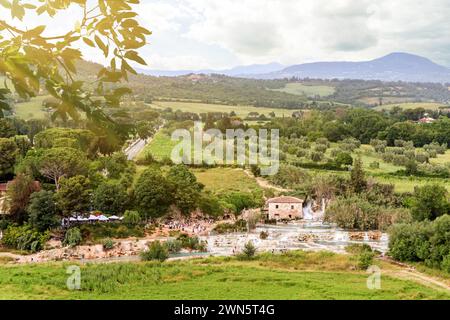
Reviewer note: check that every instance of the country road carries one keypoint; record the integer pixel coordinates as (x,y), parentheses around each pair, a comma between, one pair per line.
(138,145)
(135,149)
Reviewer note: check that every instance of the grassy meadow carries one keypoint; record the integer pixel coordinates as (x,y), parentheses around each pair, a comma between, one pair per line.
(307,90)
(241,111)
(32,109)
(160,147)
(294,275)
(226,179)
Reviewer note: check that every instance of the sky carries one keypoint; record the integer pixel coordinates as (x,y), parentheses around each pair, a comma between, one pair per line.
(219,34)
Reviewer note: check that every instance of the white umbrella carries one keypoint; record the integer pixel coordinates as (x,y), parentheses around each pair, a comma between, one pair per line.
(102,218)
(114,218)
(92,217)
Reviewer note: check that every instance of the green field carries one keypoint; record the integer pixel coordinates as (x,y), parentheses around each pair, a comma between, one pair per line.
(413,105)
(226,179)
(296,275)
(241,111)
(31,109)
(160,147)
(308,90)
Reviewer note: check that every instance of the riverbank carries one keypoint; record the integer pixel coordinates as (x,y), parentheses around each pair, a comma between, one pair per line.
(296,235)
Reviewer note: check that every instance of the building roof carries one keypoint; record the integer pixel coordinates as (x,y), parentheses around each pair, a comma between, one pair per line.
(285,200)
(426,120)
(3,187)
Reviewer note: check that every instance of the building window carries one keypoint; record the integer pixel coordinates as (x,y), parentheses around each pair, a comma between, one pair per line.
(276,206)
(292,207)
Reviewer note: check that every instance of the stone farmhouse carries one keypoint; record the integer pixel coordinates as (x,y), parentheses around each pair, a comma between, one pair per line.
(284,208)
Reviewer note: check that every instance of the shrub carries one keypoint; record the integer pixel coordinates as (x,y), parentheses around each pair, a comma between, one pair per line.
(432,153)
(365,260)
(400,160)
(422,157)
(334,152)
(156,251)
(388,157)
(302,153)
(108,244)
(391,216)
(72,237)
(353,213)
(410,154)
(255,170)
(408,242)
(396,150)
(99,231)
(323,141)
(191,243)
(173,246)
(430,202)
(446,263)
(24,238)
(374,165)
(378,145)
(343,159)
(131,218)
(436,147)
(363,253)
(248,252)
(316,156)
(263,235)
(321,148)
(357,248)
(349,144)
(146,160)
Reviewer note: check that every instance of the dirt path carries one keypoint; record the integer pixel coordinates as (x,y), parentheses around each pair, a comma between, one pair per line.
(263,183)
(410,273)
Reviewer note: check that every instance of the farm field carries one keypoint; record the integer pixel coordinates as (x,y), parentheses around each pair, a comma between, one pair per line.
(269,277)
(226,179)
(31,109)
(160,147)
(375,100)
(223,178)
(307,90)
(241,111)
(412,105)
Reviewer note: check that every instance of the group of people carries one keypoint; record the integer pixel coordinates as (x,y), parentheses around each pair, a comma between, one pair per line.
(198,226)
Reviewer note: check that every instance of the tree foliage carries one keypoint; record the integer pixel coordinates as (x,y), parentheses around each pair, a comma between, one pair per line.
(36,58)
(42,211)
(430,202)
(57,163)
(74,195)
(110,197)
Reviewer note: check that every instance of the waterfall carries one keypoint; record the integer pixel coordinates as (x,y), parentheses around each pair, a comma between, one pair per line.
(366,236)
(307,211)
(341,236)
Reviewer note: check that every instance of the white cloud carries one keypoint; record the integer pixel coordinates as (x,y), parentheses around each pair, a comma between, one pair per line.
(195,34)
(311,30)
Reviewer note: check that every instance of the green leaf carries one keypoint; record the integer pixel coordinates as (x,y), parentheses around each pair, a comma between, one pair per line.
(89,42)
(102,45)
(133,55)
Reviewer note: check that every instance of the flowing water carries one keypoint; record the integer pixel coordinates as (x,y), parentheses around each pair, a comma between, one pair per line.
(306,235)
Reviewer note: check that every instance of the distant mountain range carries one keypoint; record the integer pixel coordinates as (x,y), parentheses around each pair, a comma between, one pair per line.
(396,66)
(239,71)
